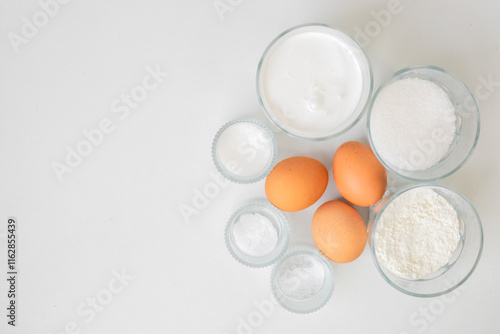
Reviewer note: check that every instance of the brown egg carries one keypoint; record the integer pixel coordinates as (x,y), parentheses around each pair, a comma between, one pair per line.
(360,177)
(339,231)
(296,183)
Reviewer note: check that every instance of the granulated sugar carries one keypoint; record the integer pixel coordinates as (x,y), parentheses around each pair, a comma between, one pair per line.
(255,234)
(417,234)
(300,277)
(412,124)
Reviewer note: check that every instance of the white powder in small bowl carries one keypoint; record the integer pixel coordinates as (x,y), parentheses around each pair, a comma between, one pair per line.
(300,277)
(244,150)
(417,234)
(254,234)
(412,124)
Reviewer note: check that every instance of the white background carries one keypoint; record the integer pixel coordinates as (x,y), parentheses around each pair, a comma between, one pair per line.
(119,209)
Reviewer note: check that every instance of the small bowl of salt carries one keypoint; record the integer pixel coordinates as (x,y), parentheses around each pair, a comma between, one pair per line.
(244,150)
(257,234)
(423,123)
(302,281)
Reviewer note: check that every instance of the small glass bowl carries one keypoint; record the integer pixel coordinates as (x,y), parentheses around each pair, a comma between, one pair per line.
(244,151)
(302,281)
(463,260)
(361,59)
(278,221)
(467,123)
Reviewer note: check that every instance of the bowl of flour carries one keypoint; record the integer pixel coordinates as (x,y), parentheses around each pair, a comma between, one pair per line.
(426,240)
(423,124)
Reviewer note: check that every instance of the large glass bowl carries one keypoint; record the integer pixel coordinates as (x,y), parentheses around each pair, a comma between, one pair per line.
(462,262)
(329,130)
(467,124)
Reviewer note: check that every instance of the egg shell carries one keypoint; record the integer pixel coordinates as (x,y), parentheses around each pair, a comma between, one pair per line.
(296,183)
(359,176)
(339,232)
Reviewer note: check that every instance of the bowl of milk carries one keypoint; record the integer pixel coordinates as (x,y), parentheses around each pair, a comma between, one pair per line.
(314,81)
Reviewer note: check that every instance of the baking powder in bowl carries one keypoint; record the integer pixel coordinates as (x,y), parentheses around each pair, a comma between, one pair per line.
(300,277)
(416,234)
(255,234)
(244,149)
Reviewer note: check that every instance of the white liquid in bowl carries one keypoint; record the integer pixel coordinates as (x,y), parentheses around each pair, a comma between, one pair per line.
(313,82)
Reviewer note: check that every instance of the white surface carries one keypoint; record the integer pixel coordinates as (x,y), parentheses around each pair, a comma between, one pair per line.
(119,209)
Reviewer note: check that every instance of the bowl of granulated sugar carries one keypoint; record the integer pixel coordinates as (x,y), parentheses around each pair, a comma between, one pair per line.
(423,124)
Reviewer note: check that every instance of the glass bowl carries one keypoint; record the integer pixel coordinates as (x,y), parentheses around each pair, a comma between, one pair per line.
(467,127)
(244,242)
(244,151)
(302,281)
(320,108)
(463,260)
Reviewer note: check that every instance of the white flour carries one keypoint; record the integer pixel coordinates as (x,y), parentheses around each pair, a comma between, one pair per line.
(417,234)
